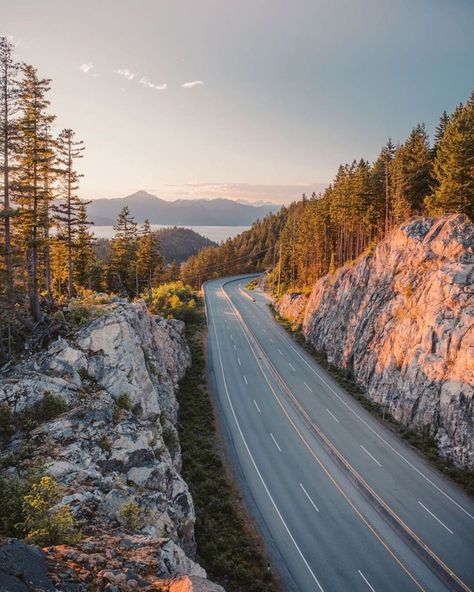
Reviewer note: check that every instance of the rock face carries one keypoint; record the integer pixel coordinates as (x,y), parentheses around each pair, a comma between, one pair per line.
(402,321)
(117,443)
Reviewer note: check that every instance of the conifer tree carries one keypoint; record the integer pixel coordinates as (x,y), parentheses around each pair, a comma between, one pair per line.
(84,259)
(149,260)
(67,210)
(453,169)
(34,156)
(121,272)
(8,129)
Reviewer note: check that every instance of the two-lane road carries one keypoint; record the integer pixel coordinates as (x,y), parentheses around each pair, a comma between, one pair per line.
(342,503)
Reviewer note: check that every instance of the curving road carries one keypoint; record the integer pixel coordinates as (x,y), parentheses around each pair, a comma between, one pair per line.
(343,504)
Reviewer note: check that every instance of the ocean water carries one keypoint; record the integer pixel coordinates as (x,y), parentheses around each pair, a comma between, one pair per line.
(214,233)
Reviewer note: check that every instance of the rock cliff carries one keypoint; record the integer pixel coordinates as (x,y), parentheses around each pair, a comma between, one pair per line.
(402,321)
(115,446)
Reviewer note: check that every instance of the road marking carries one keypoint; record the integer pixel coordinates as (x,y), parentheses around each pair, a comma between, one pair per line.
(332,415)
(368,454)
(308,387)
(238,360)
(307,495)
(379,436)
(275,442)
(271,340)
(311,451)
(365,580)
(281,353)
(292,367)
(235,349)
(231,337)
(435,517)
(300,553)
(245,378)
(258,408)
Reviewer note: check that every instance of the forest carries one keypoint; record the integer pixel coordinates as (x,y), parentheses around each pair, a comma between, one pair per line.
(47,251)
(318,234)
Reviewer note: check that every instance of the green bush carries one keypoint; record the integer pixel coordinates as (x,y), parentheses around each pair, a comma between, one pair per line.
(7,425)
(131,515)
(175,300)
(47,523)
(49,407)
(123,402)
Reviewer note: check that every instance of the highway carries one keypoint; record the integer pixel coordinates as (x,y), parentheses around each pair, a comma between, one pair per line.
(342,503)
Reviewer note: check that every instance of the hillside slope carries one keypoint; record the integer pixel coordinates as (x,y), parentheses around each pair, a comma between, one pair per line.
(402,321)
(113,448)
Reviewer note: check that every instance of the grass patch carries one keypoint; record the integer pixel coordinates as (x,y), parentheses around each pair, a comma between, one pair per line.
(226,546)
(422,441)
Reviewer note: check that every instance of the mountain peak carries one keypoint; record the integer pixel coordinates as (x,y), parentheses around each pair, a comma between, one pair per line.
(142,194)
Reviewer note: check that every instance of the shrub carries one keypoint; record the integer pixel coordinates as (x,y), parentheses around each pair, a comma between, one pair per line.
(169,438)
(131,516)
(49,407)
(7,426)
(46,523)
(105,444)
(124,402)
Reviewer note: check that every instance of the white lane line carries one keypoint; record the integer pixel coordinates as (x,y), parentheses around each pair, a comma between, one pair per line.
(379,436)
(365,580)
(332,415)
(308,387)
(271,340)
(307,495)
(258,408)
(436,518)
(292,367)
(234,415)
(372,457)
(281,353)
(231,337)
(275,442)
(238,360)
(245,378)
(235,349)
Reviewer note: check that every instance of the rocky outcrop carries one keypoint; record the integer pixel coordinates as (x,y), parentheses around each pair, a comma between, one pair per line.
(116,446)
(402,321)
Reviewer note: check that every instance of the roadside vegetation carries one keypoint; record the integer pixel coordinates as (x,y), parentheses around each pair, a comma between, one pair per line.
(422,441)
(227,546)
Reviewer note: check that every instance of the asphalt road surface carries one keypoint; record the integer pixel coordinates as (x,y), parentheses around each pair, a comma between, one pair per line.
(343,504)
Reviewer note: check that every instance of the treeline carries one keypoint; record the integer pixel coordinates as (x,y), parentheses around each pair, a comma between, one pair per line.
(365,201)
(46,247)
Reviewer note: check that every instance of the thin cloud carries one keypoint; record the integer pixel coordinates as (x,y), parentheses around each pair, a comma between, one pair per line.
(192,84)
(86,67)
(149,84)
(126,73)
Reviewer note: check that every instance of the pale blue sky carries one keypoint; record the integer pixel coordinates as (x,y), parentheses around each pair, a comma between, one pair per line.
(289,90)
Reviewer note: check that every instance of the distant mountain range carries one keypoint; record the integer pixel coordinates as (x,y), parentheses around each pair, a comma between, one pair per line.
(188,212)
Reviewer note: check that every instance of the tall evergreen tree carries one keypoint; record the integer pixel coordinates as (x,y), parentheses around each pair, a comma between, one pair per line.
(9,69)
(121,272)
(149,260)
(84,259)
(453,169)
(67,210)
(34,156)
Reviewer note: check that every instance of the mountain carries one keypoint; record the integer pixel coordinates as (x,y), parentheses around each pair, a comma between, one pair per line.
(176,244)
(196,212)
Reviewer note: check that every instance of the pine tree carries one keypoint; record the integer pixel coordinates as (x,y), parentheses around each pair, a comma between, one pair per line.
(121,272)
(84,259)
(34,157)
(149,260)
(67,211)
(453,169)
(8,128)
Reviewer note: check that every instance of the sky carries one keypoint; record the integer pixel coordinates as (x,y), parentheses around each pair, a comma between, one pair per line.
(247,99)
